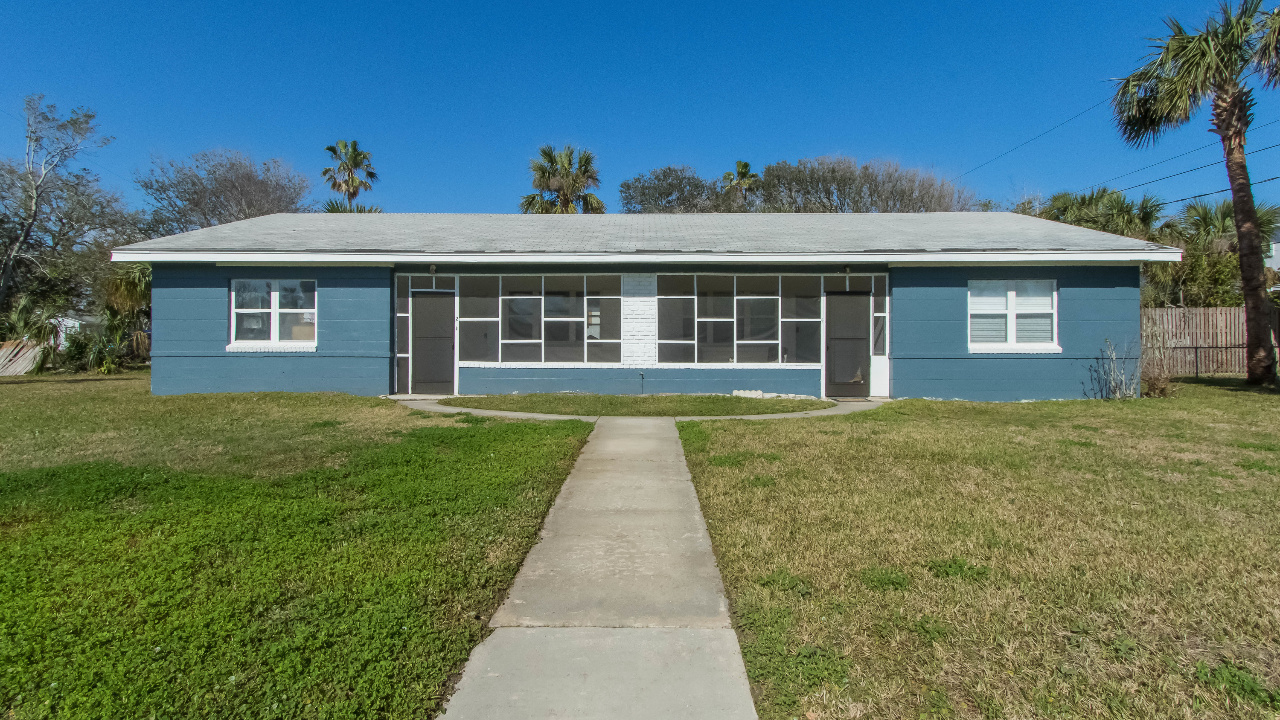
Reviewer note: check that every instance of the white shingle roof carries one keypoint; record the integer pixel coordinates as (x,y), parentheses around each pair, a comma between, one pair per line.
(435,234)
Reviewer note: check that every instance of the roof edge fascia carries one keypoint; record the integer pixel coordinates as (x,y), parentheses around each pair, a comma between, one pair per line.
(1010,257)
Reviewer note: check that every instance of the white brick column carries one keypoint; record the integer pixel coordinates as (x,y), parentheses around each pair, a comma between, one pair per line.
(640,320)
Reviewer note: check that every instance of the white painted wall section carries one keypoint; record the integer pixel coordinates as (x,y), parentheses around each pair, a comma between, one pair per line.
(639,320)
(879,376)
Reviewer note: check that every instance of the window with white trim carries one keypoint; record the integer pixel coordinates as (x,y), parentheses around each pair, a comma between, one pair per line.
(1013,316)
(273,313)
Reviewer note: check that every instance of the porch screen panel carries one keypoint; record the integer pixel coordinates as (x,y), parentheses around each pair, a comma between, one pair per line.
(741,318)
(535,318)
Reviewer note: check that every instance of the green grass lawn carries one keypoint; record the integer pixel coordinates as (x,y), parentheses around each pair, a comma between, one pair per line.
(648,405)
(266,555)
(949,559)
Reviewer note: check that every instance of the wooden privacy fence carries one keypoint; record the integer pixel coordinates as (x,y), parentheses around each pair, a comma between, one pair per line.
(1195,341)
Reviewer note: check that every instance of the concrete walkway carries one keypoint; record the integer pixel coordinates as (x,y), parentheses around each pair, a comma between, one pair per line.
(430,403)
(618,612)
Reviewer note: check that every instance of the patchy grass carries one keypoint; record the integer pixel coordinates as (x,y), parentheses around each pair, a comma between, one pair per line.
(77,418)
(217,585)
(1073,559)
(645,405)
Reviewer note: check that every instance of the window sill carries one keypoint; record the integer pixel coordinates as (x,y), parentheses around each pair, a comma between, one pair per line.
(261,347)
(1022,348)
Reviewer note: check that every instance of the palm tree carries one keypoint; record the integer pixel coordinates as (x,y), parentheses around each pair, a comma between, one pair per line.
(741,179)
(35,325)
(1209,273)
(1213,66)
(337,206)
(1108,211)
(352,172)
(562,181)
(1212,226)
(126,293)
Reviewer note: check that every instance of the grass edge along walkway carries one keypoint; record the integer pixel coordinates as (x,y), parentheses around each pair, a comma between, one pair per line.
(943,559)
(334,592)
(583,404)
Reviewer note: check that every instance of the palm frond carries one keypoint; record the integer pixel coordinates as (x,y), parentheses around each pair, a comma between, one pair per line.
(562,178)
(536,204)
(1186,69)
(352,173)
(128,289)
(337,206)
(592,205)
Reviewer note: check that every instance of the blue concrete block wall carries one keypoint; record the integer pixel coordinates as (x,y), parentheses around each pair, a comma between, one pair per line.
(627,381)
(191,328)
(929,350)
(928,344)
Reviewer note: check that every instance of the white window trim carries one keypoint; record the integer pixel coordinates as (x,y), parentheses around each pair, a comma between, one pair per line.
(1011,324)
(258,346)
(1024,348)
(274,344)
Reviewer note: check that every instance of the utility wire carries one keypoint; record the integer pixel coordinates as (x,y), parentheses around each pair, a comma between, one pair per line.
(1175,157)
(1217,192)
(1028,142)
(1215,163)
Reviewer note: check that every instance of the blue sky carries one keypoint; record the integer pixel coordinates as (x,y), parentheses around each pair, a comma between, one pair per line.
(453,99)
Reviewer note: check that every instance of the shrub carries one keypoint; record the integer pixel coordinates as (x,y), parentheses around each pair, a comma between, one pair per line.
(1157,362)
(1112,377)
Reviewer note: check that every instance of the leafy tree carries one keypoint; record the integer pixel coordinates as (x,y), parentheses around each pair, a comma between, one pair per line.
(352,172)
(216,187)
(561,181)
(671,189)
(1213,66)
(337,206)
(740,182)
(57,224)
(841,184)
(825,184)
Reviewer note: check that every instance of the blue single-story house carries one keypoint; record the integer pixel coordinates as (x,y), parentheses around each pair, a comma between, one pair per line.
(981,306)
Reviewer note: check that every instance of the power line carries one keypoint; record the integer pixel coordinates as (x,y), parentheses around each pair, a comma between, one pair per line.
(1184,172)
(1217,192)
(1175,157)
(1028,142)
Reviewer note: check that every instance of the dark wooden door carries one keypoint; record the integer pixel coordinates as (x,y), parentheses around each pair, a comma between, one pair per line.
(848,345)
(431,344)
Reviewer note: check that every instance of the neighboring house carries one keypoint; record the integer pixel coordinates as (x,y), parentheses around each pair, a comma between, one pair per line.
(984,306)
(73,323)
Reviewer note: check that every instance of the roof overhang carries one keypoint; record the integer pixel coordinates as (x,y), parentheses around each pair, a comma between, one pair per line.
(1047,257)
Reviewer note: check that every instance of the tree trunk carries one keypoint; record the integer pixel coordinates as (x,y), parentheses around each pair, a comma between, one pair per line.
(7,263)
(1260,353)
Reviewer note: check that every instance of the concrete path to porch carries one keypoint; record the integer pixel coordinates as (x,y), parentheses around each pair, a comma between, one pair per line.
(618,612)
